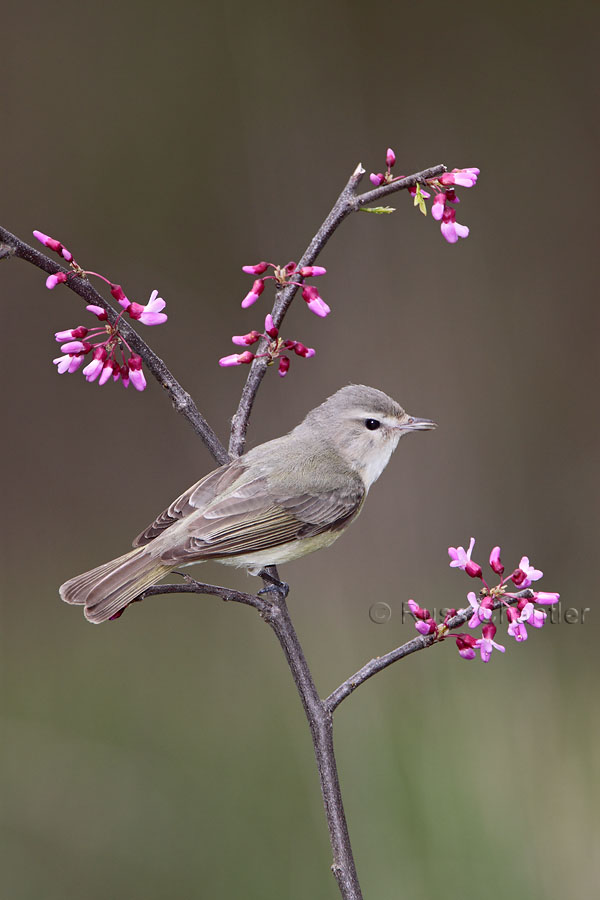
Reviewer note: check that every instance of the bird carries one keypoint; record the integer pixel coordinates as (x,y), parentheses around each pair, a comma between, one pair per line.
(277,502)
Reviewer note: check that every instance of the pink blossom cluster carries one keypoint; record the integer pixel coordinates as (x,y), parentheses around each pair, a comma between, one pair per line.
(274,349)
(284,275)
(110,358)
(445,199)
(77,343)
(520,611)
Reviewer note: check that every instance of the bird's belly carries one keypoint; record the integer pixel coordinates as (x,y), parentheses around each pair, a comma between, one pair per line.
(282,554)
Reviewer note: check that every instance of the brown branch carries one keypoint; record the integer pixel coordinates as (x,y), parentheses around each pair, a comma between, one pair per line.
(346,203)
(418,643)
(180,398)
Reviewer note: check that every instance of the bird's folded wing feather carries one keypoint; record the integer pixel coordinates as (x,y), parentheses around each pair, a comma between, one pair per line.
(257,516)
(198,496)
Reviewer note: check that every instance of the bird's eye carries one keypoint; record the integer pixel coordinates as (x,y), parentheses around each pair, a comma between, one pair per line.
(372,424)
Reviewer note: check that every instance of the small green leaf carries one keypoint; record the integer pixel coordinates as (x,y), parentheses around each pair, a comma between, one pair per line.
(420,200)
(378,209)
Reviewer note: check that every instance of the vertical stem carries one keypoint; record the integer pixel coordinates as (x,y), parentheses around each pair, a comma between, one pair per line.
(320,721)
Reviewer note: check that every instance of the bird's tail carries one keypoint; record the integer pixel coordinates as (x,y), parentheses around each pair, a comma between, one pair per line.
(109,588)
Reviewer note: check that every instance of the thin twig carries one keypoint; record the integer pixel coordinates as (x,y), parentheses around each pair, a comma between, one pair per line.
(180,398)
(347,202)
(418,643)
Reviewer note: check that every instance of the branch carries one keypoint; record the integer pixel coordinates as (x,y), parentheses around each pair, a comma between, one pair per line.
(418,643)
(346,203)
(180,399)
(319,717)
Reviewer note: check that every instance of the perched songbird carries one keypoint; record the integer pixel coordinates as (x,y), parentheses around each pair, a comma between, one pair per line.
(277,502)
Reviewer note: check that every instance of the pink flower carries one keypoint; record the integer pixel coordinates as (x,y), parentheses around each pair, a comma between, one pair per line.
(76,347)
(100,313)
(236,359)
(482,612)
(529,572)
(545,598)
(53,280)
(136,375)
(258,269)
(150,314)
(79,332)
(377,179)
(461,559)
(495,562)
(531,615)
(93,369)
(314,301)
(487,643)
(466,644)
(69,363)
(253,295)
(270,327)
(312,271)
(461,177)
(451,229)
(516,628)
(284,365)
(245,340)
(53,245)
(390,158)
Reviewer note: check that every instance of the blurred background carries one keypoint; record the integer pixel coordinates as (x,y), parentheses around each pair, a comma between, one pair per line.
(166,754)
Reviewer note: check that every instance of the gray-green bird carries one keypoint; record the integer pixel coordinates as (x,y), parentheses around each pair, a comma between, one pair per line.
(279,501)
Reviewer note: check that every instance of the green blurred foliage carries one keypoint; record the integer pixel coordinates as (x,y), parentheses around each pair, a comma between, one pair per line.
(166,754)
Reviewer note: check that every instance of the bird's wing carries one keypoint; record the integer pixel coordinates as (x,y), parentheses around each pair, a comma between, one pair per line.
(255,516)
(198,496)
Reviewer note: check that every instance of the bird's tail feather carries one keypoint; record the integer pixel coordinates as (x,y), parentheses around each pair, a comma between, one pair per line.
(109,588)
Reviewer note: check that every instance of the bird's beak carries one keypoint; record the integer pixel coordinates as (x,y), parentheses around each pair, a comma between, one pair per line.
(414,424)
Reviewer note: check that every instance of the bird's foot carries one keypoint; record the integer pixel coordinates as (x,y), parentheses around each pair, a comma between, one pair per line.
(274,586)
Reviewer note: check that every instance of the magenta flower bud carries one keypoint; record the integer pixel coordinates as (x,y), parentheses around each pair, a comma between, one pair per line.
(414,607)
(426,626)
(376,179)
(258,269)
(473,569)
(312,271)
(290,267)
(79,332)
(284,365)
(253,295)
(76,347)
(518,577)
(270,327)
(495,561)
(438,205)
(118,293)
(314,301)
(466,644)
(135,310)
(136,375)
(390,158)
(301,350)
(244,340)
(106,371)
(93,369)
(511,614)
(42,238)
(125,375)
(236,359)
(100,313)
(53,280)
(545,598)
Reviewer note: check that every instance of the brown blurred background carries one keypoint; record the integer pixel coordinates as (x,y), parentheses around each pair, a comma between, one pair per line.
(165,754)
